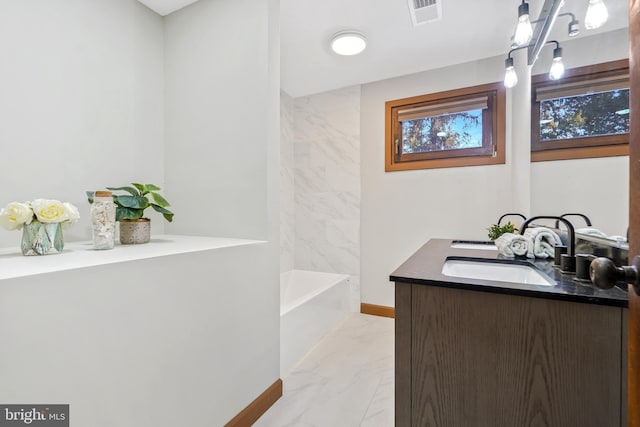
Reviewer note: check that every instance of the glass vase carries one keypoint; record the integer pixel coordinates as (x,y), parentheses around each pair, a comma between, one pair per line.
(40,238)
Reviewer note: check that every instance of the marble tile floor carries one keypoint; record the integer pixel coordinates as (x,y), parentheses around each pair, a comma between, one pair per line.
(346,380)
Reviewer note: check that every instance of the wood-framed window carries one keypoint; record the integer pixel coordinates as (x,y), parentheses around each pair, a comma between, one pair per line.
(462,127)
(583,115)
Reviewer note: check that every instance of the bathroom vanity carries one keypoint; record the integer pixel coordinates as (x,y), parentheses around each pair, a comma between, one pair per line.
(481,352)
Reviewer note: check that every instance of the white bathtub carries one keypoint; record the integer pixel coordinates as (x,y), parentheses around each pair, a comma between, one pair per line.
(311,304)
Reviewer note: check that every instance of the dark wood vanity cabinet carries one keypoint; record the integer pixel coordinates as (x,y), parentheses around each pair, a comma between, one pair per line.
(466,358)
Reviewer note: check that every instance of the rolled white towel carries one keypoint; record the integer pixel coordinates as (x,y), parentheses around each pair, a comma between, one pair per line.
(591,232)
(542,242)
(510,245)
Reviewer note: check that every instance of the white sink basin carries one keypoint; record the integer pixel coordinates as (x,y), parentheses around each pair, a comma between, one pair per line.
(462,244)
(513,273)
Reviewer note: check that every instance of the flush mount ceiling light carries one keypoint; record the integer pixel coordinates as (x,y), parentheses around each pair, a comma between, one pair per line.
(348,43)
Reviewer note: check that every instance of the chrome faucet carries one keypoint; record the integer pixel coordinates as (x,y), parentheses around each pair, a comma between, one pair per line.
(571,251)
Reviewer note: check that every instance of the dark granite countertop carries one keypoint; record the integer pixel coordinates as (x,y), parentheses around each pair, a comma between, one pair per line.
(425,268)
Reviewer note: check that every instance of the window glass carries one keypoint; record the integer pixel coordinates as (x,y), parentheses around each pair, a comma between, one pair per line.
(595,114)
(444,132)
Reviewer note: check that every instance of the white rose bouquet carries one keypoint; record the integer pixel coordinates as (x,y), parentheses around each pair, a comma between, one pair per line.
(15,215)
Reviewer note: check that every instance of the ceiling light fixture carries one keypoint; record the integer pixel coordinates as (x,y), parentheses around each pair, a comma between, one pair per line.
(510,76)
(574,24)
(524,30)
(523,37)
(348,43)
(556,71)
(557,67)
(596,16)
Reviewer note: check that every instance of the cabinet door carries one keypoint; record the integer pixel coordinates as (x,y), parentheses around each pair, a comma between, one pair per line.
(482,359)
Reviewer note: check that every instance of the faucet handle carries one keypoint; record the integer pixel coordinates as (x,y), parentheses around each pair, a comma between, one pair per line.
(604,273)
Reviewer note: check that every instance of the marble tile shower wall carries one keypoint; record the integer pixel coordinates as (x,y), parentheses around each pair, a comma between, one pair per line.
(287,182)
(327,184)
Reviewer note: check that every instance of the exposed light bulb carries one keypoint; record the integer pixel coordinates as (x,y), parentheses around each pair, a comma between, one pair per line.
(574,28)
(524,30)
(557,67)
(510,76)
(596,16)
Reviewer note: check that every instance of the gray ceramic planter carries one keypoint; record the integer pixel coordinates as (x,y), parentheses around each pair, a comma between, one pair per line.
(135,231)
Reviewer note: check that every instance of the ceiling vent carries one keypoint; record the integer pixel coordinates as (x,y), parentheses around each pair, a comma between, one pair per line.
(423,11)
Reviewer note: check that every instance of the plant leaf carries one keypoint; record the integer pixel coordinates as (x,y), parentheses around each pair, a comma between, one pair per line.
(128,213)
(135,202)
(168,215)
(151,187)
(90,196)
(159,199)
(129,190)
(140,187)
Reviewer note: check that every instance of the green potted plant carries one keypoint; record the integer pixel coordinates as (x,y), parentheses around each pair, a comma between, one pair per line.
(134,228)
(497,230)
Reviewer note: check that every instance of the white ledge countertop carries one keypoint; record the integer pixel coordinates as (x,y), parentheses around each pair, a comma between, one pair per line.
(81,254)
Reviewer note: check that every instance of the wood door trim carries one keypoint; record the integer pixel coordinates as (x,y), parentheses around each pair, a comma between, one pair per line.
(633,336)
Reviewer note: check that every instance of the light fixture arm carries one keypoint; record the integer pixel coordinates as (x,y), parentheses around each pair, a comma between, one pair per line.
(525,47)
(514,49)
(557,68)
(573,17)
(550,11)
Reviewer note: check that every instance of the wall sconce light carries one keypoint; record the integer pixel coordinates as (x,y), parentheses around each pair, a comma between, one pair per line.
(574,24)
(348,43)
(524,30)
(555,72)
(596,16)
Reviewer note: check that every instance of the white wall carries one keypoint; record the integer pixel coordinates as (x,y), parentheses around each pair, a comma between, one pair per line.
(402,210)
(181,340)
(217,116)
(222,170)
(327,184)
(598,188)
(287,184)
(82,101)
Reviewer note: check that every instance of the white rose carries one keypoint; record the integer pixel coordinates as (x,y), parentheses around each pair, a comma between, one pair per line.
(49,211)
(72,212)
(15,215)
